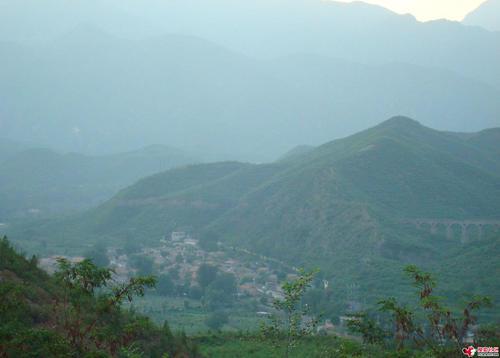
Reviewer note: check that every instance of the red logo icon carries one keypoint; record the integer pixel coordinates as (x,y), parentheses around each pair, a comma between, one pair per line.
(469,351)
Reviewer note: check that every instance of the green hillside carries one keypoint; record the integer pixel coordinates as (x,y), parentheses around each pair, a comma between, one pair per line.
(77,312)
(41,182)
(340,207)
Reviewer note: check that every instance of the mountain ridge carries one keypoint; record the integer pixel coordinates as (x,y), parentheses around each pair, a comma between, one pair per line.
(486,15)
(163,84)
(336,206)
(41,181)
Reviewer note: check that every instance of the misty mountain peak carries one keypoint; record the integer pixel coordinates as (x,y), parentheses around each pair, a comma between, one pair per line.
(401,122)
(487,16)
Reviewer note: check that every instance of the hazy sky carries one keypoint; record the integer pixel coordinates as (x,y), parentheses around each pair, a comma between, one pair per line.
(425,10)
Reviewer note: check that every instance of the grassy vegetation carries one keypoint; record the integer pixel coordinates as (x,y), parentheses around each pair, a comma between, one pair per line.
(229,346)
(188,315)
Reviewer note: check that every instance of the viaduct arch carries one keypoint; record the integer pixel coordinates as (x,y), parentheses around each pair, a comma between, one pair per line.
(464,225)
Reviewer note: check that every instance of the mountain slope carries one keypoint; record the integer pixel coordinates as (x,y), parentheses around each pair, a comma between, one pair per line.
(9,148)
(487,15)
(43,182)
(340,206)
(344,201)
(76,312)
(99,94)
(296,151)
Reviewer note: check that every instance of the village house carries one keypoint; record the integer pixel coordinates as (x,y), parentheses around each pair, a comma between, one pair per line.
(178,236)
(326,327)
(248,289)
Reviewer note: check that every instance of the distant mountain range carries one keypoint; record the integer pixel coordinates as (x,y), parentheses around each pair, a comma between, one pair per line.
(41,182)
(93,93)
(346,206)
(487,16)
(234,79)
(357,31)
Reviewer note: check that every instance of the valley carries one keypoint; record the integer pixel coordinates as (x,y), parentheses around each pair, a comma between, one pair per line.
(42,183)
(177,260)
(249,178)
(353,208)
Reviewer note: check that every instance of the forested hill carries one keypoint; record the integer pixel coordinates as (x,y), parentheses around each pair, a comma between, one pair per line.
(347,206)
(41,182)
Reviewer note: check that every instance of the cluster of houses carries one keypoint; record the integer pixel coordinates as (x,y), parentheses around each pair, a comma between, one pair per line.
(50,264)
(180,252)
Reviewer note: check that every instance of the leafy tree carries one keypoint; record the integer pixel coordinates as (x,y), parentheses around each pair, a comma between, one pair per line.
(143,264)
(98,255)
(76,313)
(184,287)
(216,320)
(314,298)
(430,326)
(36,343)
(368,327)
(221,292)
(205,275)
(195,292)
(165,285)
(488,335)
(89,304)
(208,241)
(225,282)
(290,325)
(216,299)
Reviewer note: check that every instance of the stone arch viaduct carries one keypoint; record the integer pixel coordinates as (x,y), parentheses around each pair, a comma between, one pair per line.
(464,225)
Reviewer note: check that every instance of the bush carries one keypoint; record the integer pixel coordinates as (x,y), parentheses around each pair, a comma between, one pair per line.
(216,320)
(206,275)
(165,286)
(143,265)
